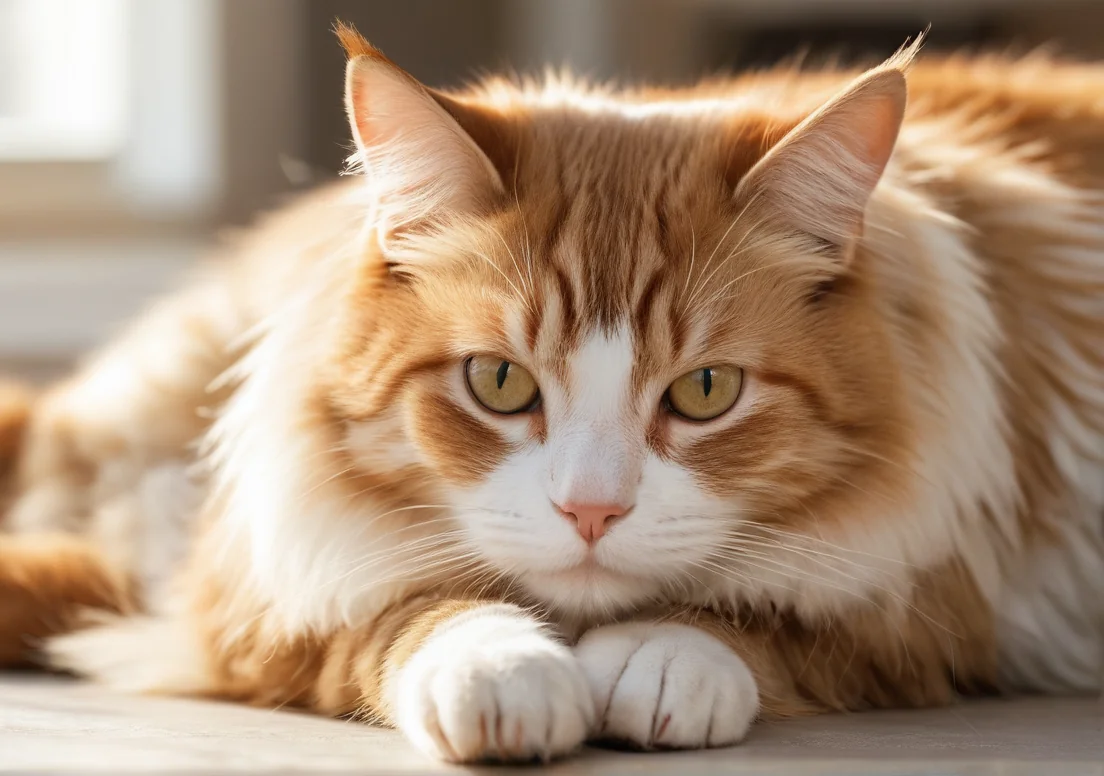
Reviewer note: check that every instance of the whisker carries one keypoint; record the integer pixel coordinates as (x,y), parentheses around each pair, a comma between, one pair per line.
(693,255)
(803,537)
(523,297)
(870,454)
(789,534)
(513,258)
(717,247)
(743,539)
(821,580)
(430,542)
(716,297)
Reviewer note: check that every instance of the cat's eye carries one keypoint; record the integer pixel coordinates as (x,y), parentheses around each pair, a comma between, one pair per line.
(705,393)
(499,385)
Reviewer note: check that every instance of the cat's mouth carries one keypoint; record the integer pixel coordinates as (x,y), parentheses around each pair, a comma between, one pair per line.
(590,585)
(591,569)
(589,563)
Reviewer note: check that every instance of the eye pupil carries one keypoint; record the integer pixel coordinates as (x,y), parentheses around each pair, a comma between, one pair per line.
(707,380)
(503,370)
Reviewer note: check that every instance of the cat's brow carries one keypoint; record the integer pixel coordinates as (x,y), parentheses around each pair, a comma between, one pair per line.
(568,306)
(646,302)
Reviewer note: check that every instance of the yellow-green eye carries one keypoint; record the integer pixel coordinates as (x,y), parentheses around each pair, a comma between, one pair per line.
(706,393)
(499,385)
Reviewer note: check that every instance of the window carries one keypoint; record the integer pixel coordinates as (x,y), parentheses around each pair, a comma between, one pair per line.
(63,79)
(109,114)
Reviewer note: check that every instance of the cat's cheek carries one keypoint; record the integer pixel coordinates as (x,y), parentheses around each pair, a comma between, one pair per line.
(463,447)
(513,522)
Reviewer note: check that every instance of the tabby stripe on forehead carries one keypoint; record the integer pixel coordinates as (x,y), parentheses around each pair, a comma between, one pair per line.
(534,317)
(567,304)
(663,232)
(647,301)
(634,228)
(673,168)
(676,326)
(554,230)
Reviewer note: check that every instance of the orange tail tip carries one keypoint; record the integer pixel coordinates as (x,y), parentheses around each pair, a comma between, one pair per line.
(15,411)
(46,583)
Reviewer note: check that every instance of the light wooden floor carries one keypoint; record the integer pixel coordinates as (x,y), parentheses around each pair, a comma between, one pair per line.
(49,724)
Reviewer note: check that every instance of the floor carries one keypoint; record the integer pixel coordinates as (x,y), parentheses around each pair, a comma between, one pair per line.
(51,724)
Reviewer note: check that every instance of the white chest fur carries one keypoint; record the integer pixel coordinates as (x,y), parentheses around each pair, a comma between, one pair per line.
(1050,615)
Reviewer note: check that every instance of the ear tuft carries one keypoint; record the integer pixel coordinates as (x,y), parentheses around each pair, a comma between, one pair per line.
(904,57)
(353,42)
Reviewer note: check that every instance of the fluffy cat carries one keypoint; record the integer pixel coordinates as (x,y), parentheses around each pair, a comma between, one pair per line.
(591,414)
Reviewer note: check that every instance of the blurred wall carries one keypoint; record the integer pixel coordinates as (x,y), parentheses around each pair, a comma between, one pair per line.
(235,104)
(441,43)
(670,41)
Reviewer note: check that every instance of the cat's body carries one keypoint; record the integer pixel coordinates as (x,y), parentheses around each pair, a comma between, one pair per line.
(903,499)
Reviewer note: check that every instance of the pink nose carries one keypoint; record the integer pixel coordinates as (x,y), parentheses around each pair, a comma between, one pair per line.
(592,520)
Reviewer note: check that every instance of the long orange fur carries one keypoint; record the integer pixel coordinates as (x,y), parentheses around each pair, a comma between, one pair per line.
(615,209)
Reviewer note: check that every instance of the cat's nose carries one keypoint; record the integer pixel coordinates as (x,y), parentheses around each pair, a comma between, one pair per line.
(592,520)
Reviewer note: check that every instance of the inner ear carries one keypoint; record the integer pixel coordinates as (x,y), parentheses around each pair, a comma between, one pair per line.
(819,177)
(495,135)
(421,166)
(748,141)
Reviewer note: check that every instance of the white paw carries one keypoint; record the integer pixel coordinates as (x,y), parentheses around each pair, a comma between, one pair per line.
(667,685)
(493,685)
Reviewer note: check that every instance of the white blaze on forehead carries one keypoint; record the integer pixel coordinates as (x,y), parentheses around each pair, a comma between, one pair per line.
(596,453)
(599,375)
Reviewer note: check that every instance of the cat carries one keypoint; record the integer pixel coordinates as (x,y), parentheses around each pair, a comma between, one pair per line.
(584,414)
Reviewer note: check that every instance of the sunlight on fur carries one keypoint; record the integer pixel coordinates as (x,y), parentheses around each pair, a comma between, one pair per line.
(576,414)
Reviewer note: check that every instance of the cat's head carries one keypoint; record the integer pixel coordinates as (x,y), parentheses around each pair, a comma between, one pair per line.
(629,334)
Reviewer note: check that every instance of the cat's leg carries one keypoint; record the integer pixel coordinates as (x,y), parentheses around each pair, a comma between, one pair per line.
(464,681)
(667,685)
(692,678)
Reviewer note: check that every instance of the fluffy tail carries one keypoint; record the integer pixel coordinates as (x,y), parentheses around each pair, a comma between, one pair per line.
(46,581)
(15,412)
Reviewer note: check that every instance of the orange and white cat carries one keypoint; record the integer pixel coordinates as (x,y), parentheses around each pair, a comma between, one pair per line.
(587,414)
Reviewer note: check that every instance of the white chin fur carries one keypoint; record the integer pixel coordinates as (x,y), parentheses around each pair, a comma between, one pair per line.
(589,591)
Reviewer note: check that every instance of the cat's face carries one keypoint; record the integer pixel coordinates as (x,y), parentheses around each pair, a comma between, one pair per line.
(622,373)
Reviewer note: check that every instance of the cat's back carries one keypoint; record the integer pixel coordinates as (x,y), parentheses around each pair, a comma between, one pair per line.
(269,261)
(1053,105)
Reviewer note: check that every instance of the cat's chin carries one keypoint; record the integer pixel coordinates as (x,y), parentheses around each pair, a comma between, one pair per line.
(589,587)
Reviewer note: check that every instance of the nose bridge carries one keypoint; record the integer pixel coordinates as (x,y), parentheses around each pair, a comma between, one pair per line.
(595,463)
(594,458)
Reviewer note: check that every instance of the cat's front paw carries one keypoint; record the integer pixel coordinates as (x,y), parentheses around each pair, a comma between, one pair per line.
(666,685)
(493,685)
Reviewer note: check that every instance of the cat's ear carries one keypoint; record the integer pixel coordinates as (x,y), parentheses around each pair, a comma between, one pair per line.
(420,164)
(820,176)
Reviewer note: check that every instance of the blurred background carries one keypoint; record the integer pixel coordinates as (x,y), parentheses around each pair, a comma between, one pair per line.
(133,131)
